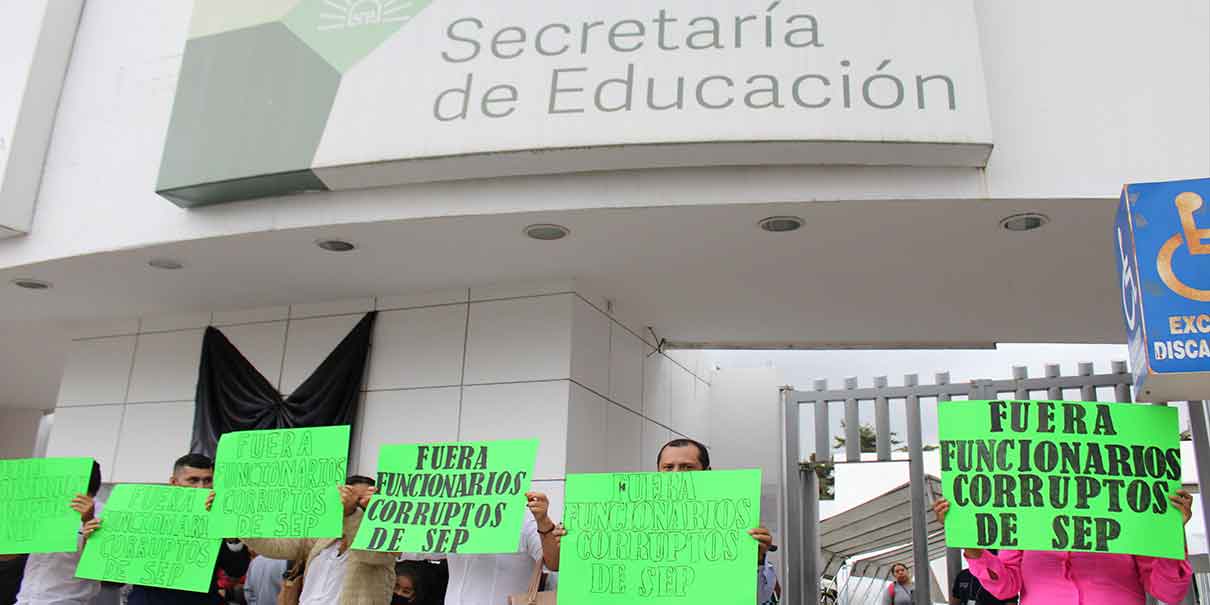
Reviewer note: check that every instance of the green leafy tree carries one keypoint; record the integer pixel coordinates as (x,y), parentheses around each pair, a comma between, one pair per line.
(868,437)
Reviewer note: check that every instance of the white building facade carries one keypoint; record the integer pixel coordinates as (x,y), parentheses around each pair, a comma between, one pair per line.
(165,168)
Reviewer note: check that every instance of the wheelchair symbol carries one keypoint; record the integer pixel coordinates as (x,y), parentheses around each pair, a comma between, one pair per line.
(1199,244)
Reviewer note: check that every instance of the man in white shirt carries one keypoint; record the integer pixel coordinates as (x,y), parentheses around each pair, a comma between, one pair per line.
(50,578)
(491,579)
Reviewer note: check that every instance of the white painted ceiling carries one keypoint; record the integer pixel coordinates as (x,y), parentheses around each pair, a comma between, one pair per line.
(905,273)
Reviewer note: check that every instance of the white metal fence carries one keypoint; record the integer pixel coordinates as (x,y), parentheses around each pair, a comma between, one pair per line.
(800,496)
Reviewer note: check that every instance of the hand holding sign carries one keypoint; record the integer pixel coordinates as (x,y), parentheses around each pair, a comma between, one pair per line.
(85,506)
(41,505)
(280,483)
(1040,475)
(466,498)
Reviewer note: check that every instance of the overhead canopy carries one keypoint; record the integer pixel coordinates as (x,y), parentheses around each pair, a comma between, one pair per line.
(882,523)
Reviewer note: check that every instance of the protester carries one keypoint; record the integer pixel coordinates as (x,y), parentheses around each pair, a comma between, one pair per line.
(50,578)
(901,589)
(264,580)
(681,455)
(477,579)
(966,590)
(1068,578)
(414,584)
(197,471)
(334,573)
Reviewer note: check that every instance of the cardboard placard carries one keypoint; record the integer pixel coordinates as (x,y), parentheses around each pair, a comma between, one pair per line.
(1058,475)
(466,498)
(153,535)
(648,538)
(282,483)
(35,504)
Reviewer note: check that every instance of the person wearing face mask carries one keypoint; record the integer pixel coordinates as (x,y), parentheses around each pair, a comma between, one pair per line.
(412,585)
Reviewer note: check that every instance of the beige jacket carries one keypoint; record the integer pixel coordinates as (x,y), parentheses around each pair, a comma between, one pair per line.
(369,577)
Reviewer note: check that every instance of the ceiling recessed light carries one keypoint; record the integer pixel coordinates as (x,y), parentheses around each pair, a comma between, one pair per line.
(32,284)
(547,233)
(335,245)
(1027,221)
(782,224)
(165,263)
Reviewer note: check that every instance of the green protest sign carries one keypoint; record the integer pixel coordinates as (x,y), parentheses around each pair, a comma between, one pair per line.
(153,535)
(1057,475)
(647,538)
(282,483)
(35,504)
(466,498)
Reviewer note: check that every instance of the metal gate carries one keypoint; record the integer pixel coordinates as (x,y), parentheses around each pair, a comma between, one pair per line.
(800,492)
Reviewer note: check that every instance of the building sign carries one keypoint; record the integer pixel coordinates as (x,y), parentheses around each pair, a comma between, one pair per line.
(280,96)
(1163,251)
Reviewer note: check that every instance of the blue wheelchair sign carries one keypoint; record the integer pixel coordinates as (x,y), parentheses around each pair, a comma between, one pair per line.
(1162,234)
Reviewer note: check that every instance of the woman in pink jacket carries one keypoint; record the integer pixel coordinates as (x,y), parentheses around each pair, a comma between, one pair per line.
(1079,578)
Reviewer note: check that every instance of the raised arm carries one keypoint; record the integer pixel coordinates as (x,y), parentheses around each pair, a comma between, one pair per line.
(539,507)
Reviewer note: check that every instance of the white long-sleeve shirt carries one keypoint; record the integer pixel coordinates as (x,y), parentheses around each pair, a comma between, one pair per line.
(50,579)
(490,579)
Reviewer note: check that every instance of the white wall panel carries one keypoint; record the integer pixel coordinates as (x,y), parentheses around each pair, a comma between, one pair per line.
(153,436)
(165,366)
(97,371)
(681,403)
(411,416)
(623,439)
(521,411)
(89,432)
(309,342)
(590,343)
(626,356)
(586,441)
(418,348)
(519,340)
(657,395)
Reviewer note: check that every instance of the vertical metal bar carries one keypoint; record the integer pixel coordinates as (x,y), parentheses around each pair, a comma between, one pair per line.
(1088,392)
(811,553)
(920,547)
(1121,392)
(953,556)
(1201,452)
(1021,373)
(791,492)
(942,379)
(852,424)
(882,421)
(1053,393)
(823,432)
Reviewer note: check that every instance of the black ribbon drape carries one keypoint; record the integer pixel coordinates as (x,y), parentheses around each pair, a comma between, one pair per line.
(232,395)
